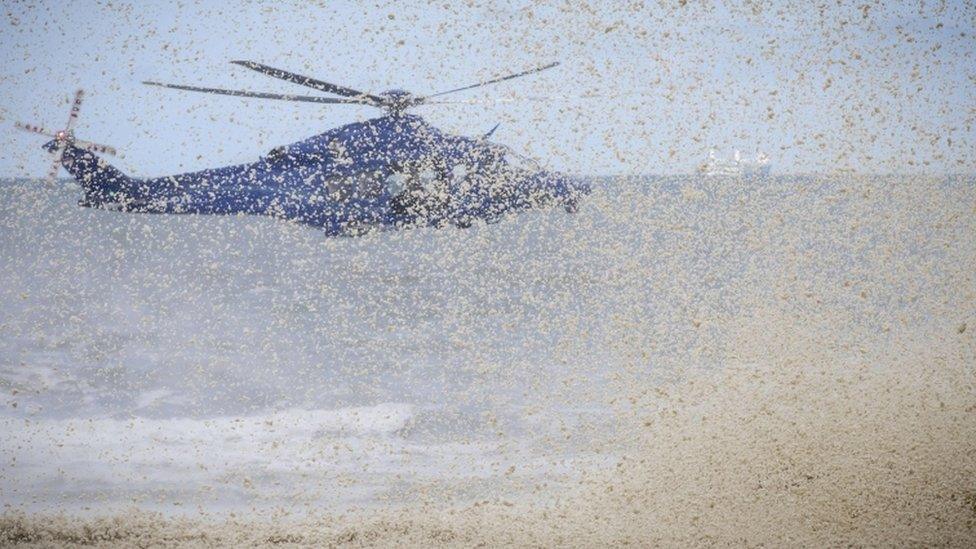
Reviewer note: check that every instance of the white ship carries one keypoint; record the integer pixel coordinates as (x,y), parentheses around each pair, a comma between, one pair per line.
(736,166)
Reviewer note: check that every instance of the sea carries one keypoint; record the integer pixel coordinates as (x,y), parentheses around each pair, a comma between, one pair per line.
(235,366)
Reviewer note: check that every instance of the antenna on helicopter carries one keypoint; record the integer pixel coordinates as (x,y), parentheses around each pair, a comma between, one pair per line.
(66,137)
(491,131)
(393,101)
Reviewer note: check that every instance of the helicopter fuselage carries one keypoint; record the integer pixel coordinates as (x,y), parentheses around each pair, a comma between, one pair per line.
(390,172)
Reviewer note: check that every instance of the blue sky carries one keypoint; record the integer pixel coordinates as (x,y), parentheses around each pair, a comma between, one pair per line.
(862,85)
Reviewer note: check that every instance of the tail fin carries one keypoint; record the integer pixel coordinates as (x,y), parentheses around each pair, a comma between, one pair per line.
(102,183)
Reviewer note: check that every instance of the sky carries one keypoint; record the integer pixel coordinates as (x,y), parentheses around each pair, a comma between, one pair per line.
(642,87)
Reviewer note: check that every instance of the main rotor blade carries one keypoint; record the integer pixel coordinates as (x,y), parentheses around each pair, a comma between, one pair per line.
(313,83)
(261,95)
(520,99)
(497,101)
(496,80)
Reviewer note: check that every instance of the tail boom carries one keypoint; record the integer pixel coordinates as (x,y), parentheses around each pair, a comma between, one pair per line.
(102,183)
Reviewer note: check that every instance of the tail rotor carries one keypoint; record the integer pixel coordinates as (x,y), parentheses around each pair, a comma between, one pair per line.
(66,137)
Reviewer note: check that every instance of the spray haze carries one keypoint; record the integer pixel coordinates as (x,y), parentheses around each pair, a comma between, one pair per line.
(687,360)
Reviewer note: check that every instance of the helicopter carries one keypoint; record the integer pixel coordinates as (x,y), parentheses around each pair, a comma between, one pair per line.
(392,172)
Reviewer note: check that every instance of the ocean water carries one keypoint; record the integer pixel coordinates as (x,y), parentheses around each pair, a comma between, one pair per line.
(241,366)
(137,350)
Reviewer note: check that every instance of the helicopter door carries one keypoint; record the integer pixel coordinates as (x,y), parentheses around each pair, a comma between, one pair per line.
(361,186)
(418,192)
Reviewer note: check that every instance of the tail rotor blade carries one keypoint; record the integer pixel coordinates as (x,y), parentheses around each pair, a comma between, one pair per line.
(95,147)
(35,129)
(52,174)
(75,107)
(66,138)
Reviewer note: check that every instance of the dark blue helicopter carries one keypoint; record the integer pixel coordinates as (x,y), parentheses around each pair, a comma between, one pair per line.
(391,172)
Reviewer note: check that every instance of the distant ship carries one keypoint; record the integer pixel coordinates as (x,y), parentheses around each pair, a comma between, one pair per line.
(736,167)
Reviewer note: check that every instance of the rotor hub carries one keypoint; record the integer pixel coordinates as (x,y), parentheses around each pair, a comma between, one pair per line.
(396,100)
